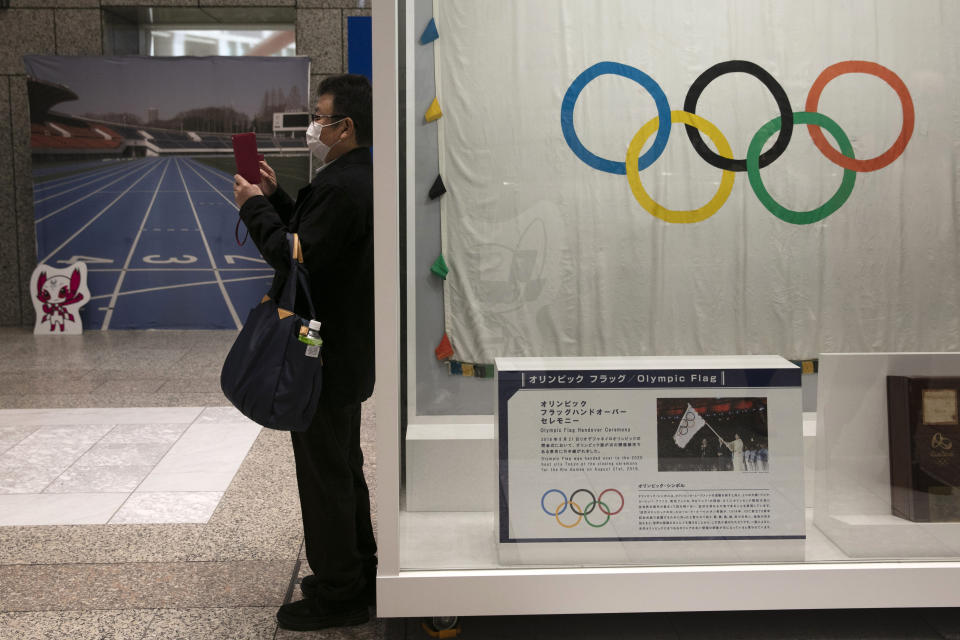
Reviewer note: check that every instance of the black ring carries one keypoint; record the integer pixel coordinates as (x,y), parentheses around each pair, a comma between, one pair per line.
(779,95)
(593,506)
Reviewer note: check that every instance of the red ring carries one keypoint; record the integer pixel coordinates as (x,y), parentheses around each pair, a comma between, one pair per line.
(906,103)
(610,513)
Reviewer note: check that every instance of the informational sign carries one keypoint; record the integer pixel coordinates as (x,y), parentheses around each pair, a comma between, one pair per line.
(652,449)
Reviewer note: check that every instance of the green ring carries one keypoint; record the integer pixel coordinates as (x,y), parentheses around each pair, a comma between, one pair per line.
(774,207)
(589,509)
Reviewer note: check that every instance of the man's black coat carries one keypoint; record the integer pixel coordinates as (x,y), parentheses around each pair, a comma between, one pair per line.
(333,216)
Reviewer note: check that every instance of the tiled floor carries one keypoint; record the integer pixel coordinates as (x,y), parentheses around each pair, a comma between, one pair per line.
(148,510)
(118,466)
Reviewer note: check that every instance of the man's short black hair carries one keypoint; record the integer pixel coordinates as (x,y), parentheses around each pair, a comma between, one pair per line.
(352,97)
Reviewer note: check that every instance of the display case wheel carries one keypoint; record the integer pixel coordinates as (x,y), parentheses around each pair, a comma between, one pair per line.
(441,626)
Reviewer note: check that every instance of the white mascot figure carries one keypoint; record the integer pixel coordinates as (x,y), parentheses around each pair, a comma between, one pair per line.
(58,295)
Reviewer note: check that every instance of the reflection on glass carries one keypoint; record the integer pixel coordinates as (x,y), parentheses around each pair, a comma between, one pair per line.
(211,42)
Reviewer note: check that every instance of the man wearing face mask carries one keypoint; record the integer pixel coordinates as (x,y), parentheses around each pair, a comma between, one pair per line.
(333,217)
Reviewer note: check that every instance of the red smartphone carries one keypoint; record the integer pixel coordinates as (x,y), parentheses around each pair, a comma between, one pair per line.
(246,156)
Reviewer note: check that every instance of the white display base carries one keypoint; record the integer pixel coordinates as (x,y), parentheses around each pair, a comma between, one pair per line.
(450,567)
(852,489)
(450,467)
(635,589)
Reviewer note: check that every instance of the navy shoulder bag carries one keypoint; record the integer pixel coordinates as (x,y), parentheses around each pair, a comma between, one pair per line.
(269,374)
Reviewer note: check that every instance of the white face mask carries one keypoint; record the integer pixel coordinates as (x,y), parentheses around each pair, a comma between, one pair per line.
(317,147)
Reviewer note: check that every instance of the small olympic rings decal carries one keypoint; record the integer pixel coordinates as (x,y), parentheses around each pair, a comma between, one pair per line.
(939,441)
(582,514)
(723,159)
(689,419)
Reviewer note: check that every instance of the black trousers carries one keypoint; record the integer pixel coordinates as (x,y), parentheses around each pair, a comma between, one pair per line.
(335,502)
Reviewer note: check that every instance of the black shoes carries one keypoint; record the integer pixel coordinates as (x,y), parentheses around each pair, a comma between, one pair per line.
(308,586)
(313,614)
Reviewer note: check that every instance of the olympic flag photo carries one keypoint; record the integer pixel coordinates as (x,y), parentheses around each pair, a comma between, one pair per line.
(738,176)
(712,434)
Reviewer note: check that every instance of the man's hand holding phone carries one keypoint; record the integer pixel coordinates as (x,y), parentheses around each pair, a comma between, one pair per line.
(243,190)
(268,179)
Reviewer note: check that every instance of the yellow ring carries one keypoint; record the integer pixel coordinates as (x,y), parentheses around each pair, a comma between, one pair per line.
(568,526)
(648,203)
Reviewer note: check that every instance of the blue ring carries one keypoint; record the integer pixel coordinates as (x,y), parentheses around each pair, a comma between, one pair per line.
(570,100)
(550,513)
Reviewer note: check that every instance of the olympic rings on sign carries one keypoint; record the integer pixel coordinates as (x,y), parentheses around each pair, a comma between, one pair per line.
(608,512)
(648,203)
(562,504)
(582,514)
(724,160)
(559,510)
(603,508)
(593,502)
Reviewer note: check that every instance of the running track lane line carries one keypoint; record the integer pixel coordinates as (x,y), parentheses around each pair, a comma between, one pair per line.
(217,191)
(216,172)
(116,290)
(94,218)
(68,205)
(103,171)
(75,166)
(80,186)
(49,185)
(213,263)
(230,180)
(181,286)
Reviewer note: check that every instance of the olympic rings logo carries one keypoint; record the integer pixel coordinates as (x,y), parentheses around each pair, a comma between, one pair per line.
(724,160)
(689,420)
(595,503)
(940,441)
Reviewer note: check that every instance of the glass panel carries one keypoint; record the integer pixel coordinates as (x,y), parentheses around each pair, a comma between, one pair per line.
(516,460)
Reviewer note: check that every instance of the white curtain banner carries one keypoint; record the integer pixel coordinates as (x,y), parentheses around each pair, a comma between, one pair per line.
(802,198)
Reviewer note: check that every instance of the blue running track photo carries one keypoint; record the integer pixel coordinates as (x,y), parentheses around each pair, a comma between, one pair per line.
(157,235)
(133,175)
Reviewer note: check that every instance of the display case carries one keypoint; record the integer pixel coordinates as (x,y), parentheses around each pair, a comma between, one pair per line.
(562,429)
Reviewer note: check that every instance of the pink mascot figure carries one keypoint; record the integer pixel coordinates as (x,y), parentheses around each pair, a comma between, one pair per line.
(58,295)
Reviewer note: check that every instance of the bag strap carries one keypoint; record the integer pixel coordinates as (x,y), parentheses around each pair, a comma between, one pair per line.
(297,275)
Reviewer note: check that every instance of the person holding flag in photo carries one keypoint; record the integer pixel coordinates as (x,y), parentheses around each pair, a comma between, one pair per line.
(736,448)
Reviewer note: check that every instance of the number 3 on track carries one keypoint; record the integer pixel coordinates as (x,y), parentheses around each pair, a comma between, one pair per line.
(155,259)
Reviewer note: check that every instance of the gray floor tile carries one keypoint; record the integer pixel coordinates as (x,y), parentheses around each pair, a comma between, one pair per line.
(946,622)
(372,630)
(102,544)
(571,627)
(130,385)
(75,625)
(258,623)
(181,585)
